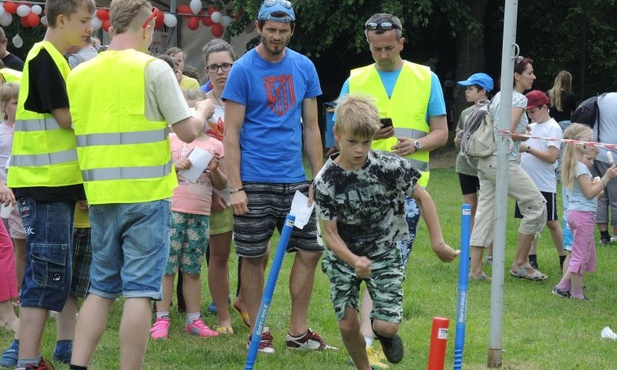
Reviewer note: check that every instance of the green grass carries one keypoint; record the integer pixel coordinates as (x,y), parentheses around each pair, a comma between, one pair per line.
(540,331)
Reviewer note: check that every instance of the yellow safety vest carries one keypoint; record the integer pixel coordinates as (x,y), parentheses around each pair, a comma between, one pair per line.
(124,157)
(407,106)
(43,153)
(10,75)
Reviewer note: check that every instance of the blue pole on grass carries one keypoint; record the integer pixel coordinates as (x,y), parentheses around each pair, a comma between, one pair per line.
(266,299)
(463,278)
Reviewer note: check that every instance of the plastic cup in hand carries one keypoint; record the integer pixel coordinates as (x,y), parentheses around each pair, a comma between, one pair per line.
(5,211)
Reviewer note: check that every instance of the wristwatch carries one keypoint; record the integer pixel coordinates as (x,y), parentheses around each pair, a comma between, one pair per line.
(416,144)
(528,150)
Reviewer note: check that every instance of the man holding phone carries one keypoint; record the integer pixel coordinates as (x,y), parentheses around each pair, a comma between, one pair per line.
(411,98)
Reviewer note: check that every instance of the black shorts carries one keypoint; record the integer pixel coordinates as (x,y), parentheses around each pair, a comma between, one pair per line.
(469,184)
(551,207)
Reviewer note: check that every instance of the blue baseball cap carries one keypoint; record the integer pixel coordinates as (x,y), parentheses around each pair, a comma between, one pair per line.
(480,79)
(273,6)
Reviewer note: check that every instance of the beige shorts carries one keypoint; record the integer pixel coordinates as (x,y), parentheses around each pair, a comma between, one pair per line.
(16,227)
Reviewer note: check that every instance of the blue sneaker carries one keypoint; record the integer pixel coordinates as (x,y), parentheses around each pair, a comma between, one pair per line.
(212,308)
(63,352)
(10,355)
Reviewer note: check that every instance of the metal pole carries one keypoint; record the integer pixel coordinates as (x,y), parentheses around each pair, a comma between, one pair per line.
(260,323)
(463,279)
(173,9)
(501,186)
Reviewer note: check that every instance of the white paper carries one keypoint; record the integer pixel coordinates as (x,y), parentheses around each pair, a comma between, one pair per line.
(607,333)
(300,209)
(610,157)
(199,161)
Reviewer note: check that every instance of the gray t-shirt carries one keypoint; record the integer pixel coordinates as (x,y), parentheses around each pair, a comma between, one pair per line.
(367,204)
(465,165)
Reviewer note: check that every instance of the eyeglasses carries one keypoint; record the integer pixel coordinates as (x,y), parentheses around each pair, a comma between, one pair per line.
(151,17)
(284,3)
(386,26)
(214,68)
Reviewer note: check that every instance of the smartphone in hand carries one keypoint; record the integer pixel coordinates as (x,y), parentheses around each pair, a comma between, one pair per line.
(386,122)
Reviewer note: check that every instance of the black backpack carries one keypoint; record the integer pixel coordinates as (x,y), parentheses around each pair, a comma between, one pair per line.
(587,112)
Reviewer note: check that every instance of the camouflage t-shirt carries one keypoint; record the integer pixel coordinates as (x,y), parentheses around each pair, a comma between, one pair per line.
(367,204)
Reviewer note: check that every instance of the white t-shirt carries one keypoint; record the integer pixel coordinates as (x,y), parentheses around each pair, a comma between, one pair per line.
(542,173)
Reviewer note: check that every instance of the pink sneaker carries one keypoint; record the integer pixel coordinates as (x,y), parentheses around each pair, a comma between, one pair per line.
(198,327)
(160,329)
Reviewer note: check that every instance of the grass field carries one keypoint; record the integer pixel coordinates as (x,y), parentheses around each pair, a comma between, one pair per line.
(540,331)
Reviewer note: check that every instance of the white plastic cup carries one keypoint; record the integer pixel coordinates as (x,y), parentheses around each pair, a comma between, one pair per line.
(5,211)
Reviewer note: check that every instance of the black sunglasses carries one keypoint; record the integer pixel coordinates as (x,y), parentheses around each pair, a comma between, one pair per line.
(386,26)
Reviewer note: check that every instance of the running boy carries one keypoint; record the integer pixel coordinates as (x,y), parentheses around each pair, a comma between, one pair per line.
(360,199)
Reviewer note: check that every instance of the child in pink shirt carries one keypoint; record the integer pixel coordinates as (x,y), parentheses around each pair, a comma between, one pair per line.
(190,228)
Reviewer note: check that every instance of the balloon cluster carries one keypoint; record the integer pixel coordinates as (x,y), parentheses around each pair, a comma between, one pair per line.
(100,19)
(29,16)
(214,18)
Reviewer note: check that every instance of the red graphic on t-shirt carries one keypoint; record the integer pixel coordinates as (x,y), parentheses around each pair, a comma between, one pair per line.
(280,93)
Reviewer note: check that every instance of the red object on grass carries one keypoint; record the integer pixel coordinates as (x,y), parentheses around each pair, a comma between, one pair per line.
(439,342)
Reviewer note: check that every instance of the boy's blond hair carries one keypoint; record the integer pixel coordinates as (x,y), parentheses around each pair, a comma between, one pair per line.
(53,8)
(8,91)
(129,14)
(357,115)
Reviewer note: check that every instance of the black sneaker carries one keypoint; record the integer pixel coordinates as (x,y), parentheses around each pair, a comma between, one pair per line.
(392,347)
(605,240)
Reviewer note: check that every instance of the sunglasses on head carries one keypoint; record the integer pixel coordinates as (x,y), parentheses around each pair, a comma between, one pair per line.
(284,3)
(386,26)
(151,17)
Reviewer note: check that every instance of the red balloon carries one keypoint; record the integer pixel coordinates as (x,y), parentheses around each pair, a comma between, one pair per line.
(102,14)
(24,22)
(185,10)
(106,25)
(217,30)
(32,19)
(10,7)
(158,19)
(193,23)
(207,21)
(211,9)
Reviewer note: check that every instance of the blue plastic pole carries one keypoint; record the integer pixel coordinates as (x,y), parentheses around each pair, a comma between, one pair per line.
(461,313)
(260,323)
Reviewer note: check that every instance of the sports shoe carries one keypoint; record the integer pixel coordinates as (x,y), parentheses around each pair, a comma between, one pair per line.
(265,345)
(375,356)
(560,293)
(198,328)
(614,239)
(43,365)
(392,347)
(160,329)
(63,352)
(605,240)
(309,341)
(10,355)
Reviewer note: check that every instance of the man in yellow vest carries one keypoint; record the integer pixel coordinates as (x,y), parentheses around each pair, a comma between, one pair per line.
(44,175)
(409,96)
(122,102)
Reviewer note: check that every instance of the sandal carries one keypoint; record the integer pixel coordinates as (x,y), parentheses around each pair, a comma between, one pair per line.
(481,277)
(243,314)
(528,273)
(226,330)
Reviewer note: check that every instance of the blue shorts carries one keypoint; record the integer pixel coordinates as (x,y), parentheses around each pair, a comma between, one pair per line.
(49,240)
(130,247)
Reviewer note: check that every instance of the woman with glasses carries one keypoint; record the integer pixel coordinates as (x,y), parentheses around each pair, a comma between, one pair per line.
(520,187)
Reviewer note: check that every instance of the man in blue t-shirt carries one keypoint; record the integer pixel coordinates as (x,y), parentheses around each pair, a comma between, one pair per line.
(270,115)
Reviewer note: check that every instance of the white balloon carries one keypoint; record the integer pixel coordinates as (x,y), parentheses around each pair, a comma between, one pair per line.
(17,41)
(170,20)
(36,9)
(44,20)
(226,20)
(23,10)
(2,11)
(195,6)
(6,19)
(216,17)
(96,23)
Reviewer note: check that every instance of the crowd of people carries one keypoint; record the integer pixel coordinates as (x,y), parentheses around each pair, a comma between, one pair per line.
(118,182)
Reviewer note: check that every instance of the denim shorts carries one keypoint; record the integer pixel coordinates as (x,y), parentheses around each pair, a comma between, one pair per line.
(49,239)
(130,247)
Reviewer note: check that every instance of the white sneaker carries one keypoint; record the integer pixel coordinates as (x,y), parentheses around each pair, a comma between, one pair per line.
(614,239)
